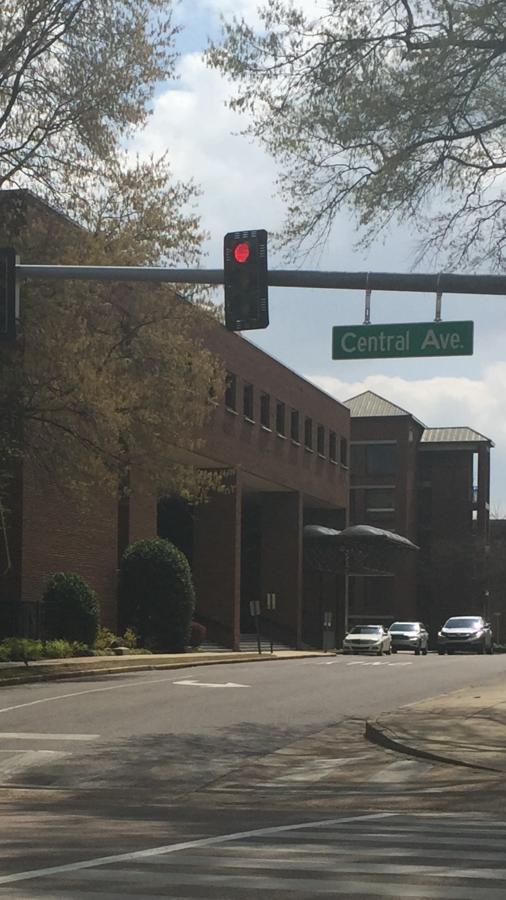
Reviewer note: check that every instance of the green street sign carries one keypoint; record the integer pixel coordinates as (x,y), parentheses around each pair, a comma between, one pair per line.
(410,339)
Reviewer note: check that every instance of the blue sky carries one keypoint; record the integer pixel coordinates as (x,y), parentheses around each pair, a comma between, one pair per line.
(237,180)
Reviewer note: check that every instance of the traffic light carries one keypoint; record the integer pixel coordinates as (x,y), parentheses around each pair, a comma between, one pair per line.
(245,278)
(8,304)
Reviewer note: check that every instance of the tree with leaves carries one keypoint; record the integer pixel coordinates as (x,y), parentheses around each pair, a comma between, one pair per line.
(392,108)
(104,379)
(75,77)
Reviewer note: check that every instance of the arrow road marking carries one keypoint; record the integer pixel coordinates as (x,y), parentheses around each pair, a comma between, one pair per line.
(191,682)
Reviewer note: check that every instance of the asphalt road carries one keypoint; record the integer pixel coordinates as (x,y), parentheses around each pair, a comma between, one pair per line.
(181,728)
(127,785)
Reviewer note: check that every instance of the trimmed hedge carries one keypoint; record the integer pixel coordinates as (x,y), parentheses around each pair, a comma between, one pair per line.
(72,610)
(156,594)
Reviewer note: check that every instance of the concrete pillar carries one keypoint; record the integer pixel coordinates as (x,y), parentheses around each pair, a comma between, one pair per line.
(217,564)
(281,561)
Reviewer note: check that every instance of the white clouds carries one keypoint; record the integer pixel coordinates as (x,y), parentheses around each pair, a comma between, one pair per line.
(195,126)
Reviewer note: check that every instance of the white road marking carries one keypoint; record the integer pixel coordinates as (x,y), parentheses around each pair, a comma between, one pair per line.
(98,690)
(316,769)
(186,845)
(368,662)
(27,759)
(401,770)
(206,684)
(34,736)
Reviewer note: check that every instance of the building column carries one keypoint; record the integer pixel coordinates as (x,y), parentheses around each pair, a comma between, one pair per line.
(217,564)
(483,491)
(281,561)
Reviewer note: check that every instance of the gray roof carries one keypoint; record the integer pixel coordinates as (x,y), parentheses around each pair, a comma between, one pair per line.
(372,405)
(462,435)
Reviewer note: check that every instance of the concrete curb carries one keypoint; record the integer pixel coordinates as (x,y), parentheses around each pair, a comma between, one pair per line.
(61,675)
(376,734)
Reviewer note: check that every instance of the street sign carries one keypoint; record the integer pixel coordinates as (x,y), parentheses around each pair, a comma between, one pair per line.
(409,339)
(8,298)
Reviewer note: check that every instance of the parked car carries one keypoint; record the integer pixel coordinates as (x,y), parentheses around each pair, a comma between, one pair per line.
(465,633)
(409,636)
(367,639)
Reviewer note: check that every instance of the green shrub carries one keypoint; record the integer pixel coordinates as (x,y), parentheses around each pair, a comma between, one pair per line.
(60,649)
(130,639)
(105,639)
(20,650)
(156,594)
(71,608)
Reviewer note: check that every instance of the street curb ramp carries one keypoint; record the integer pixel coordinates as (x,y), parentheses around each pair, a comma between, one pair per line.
(378,733)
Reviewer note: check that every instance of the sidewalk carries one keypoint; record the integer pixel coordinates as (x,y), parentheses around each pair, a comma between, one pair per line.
(466,728)
(52,669)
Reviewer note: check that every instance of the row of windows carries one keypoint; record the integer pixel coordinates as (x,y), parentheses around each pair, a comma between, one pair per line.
(286,423)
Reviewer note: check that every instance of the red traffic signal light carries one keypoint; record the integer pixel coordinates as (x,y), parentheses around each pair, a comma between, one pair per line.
(241,252)
(245,280)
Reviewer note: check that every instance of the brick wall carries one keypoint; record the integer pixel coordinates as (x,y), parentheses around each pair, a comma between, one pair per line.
(62,533)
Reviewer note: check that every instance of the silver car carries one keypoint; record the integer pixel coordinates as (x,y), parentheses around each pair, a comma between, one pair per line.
(409,636)
(465,633)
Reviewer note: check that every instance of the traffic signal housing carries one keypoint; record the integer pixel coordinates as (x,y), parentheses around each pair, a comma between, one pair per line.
(8,294)
(245,279)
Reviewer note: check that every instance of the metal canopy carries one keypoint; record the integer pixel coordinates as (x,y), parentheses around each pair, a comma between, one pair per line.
(361,548)
(357,535)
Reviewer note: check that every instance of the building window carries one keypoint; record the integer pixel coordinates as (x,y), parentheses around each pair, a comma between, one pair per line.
(344,452)
(248,402)
(320,440)
(333,446)
(294,426)
(380,507)
(280,418)
(265,411)
(230,391)
(380,500)
(381,459)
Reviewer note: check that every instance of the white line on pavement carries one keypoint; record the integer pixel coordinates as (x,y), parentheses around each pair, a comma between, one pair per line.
(98,690)
(185,845)
(209,684)
(28,759)
(33,736)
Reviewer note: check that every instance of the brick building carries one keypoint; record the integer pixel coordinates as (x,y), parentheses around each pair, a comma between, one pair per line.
(432,486)
(283,446)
